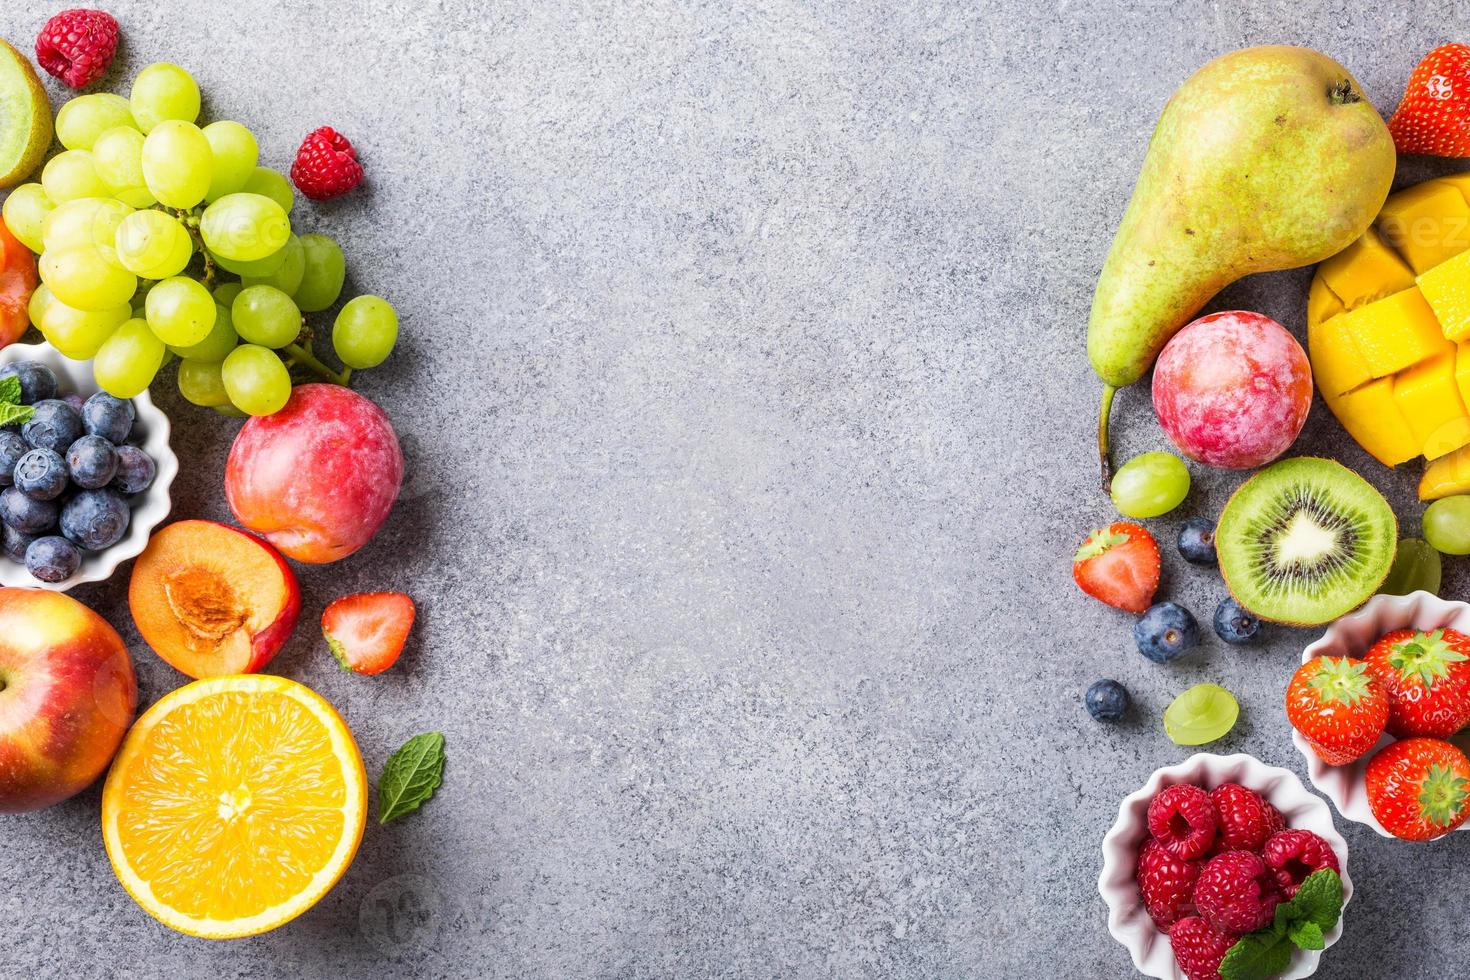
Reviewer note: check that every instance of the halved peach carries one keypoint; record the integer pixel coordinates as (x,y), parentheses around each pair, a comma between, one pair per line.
(213,600)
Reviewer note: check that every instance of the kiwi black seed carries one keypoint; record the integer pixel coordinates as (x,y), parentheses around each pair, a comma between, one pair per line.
(1305,541)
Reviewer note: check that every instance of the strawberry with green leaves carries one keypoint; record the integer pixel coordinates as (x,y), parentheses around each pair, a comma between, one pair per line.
(1427,678)
(1119,565)
(1338,706)
(1419,788)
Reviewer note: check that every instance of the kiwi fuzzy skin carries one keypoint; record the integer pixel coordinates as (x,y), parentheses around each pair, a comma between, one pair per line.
(1288,622)
(42,129)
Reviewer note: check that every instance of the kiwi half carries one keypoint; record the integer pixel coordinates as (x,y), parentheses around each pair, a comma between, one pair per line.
(1305,541)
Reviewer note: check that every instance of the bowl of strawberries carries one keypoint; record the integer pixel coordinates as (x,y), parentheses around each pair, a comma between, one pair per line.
(1224,858)
(1377,708)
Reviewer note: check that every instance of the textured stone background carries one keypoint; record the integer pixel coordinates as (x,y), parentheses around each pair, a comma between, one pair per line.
(750,434)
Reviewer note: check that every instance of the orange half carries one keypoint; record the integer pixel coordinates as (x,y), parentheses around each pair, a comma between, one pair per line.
(234,805)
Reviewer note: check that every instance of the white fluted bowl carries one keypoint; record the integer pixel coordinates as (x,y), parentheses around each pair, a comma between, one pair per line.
(150,433)
(1129,921)
(1352,636)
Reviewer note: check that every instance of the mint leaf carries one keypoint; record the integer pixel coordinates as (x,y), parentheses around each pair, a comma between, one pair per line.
(410,776)
(1307,935)
(10,390)
(11,414)
(1318,900)
(1259,956)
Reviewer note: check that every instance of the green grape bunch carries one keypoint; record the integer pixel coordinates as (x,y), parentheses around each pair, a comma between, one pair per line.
(160,239)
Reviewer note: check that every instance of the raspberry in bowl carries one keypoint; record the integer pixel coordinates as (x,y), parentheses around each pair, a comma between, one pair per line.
(1205,852)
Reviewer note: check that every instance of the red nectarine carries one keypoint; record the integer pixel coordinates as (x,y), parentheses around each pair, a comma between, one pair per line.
(18,279)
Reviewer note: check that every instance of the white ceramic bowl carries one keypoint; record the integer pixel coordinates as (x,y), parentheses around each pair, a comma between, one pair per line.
(1129,921)
(1352,636)
(150,433)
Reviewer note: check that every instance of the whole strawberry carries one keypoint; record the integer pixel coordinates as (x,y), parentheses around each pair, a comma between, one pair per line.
(1182,819)
(1419,788)
(326,165)
(76,46)
(1292,855)
(1339,706)
(1236,892)
(1434,116)
(1199,947)
(1427,679)
(1120,566)
(1166,884)
(1244,819)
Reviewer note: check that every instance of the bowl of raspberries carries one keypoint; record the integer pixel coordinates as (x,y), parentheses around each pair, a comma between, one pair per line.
(1223,865)
(84,476)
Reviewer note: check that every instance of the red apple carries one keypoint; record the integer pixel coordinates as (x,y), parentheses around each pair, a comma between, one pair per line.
(67,696)
(213,600)
(1233,389)
(317,478)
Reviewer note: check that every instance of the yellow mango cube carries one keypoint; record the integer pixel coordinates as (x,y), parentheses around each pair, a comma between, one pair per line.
(1395,333)
(1322,302)
(1462,372)
(1337,367)
(1460,181)
(1446,476)
(1365,271)
(1446,288)
(1427,224)
(1372,417)
(1429,401)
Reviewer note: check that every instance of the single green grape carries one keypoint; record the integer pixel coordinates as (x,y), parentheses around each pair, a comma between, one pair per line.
(1416,568)
(118,155)
(87,279)
(180,311)
(225,293)
(1447,525)
(79,334)
(257,382)
(87,222)
(87,117)
(326,268)
(365,332)
(40,299)
(1203,713)
(235,156)
(153,245)
(177,164)
(70,175)
(287,278)
(266,316)
(245,227)
(217,346)
(163,92)
(129,360)
(25,214)
(1150,484)
(202,383)
(272,184)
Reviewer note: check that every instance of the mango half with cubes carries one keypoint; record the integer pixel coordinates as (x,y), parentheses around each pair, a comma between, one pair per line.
(1388,333)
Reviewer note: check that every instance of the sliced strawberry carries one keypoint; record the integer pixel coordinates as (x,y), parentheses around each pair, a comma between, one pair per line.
(1120,566)
(1434,116)
(366,632)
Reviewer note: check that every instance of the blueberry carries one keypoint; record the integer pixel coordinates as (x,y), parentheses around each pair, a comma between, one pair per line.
(37,382)
(1166,631)
(135,470)
(1107,700)
(95,519)
(56,426)
(41,473)
(12,448)
(1234,624)
(75,401)
(92,462)
(108,417)
(26,514)
(53,559)
(16,543)
(1197,541)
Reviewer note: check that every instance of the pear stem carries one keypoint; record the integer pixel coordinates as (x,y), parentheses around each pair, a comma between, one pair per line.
(1103,456)
(1343,93)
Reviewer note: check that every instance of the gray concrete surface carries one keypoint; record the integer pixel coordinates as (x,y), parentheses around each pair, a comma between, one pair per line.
(750,435)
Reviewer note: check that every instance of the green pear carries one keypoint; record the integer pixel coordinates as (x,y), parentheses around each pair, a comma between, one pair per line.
(1267,158)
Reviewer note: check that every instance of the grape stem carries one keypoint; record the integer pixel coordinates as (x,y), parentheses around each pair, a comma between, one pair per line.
(304,358)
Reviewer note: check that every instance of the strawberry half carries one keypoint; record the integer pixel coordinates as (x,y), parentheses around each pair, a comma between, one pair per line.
(1427,679)
(366,632)
(1434,116)
(1120,566)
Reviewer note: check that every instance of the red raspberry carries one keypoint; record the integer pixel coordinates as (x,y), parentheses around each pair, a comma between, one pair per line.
(1183,820)
(1245,819)
(1236,892)
(326,165)
(1166,883)
(1292,855)
(1199,947)
(76,46)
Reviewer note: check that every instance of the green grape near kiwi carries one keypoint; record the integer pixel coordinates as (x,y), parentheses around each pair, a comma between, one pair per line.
(1416,568)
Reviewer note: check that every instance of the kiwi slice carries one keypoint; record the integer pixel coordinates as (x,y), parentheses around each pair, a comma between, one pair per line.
(1305,541)
(25,118)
